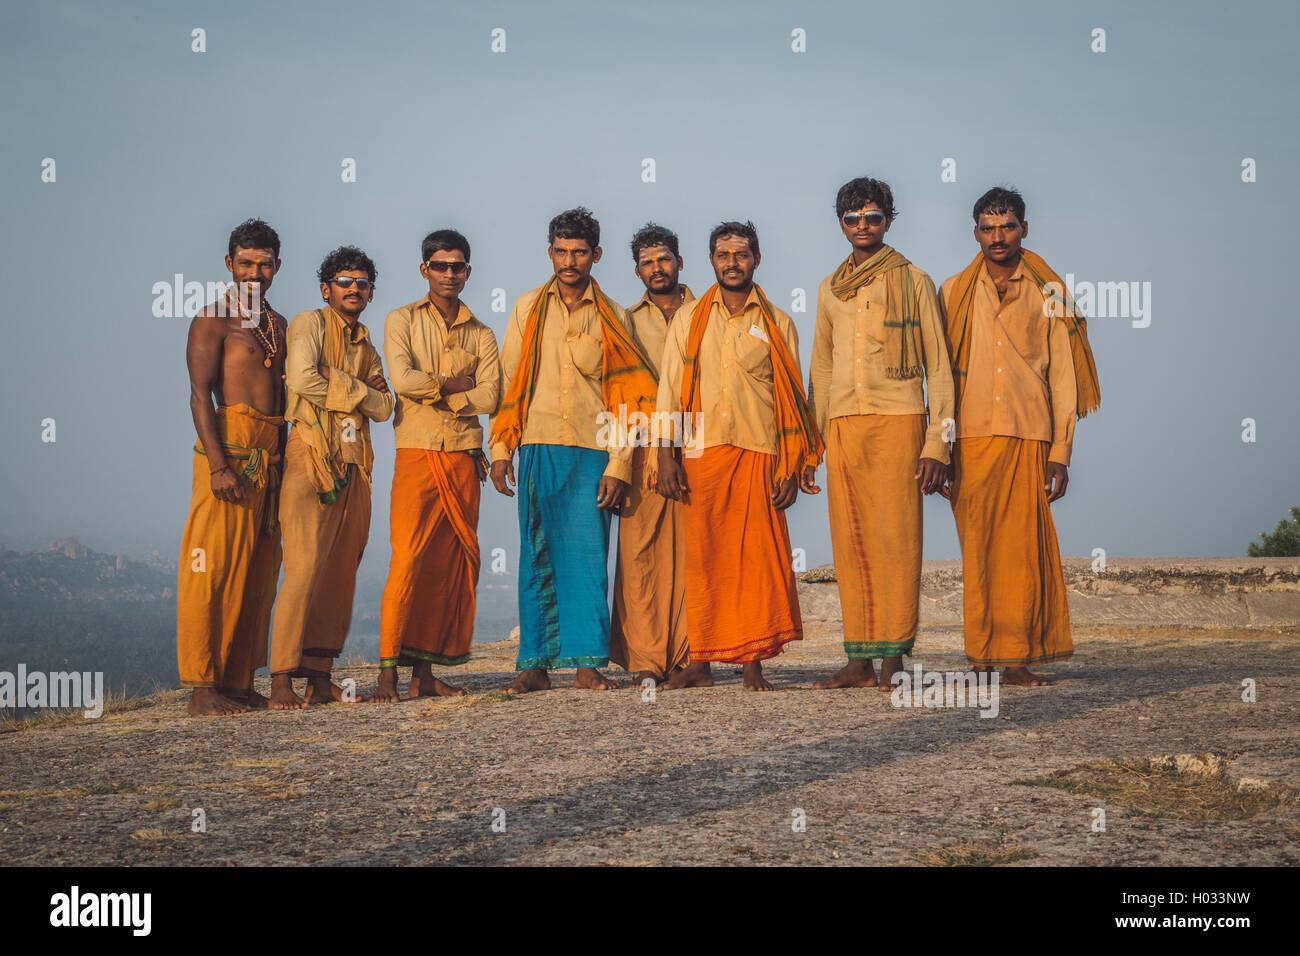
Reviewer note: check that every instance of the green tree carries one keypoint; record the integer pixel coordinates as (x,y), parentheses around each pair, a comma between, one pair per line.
(1284,542)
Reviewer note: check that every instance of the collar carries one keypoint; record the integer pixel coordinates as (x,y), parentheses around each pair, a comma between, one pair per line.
(588,294)
(463,315)
(356,334)
(687,296)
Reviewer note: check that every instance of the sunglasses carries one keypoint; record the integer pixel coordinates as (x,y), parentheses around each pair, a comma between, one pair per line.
(873,218)
(347,282)
(442,266)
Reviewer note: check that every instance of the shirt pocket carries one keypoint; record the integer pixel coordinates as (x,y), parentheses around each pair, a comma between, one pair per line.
(457,361)
(586,353)
(754,356)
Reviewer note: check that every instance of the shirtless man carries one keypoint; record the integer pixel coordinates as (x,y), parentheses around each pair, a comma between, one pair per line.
(230,550)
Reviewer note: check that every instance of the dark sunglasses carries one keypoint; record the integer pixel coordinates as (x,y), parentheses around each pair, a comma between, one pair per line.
(441,265)
(346,282)
(874,218)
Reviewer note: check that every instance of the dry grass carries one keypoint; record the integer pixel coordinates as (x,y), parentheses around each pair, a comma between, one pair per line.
(1182,787)
(115,702)
(155,835)
(162,803)
(974,853)
(440,705)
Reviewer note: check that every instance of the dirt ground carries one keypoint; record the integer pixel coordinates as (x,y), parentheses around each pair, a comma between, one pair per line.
(720,775)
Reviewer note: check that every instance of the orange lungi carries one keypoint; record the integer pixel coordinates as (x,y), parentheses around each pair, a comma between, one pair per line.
(428,607)
(741,602)
(648,628)
(1015,607)
(230,560)
(875,512)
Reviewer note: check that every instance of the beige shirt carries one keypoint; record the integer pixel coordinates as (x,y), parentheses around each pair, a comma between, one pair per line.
(737,405)
(568,404)
(847,370)
(1021,377)
(651,328)
(422,352)
(346,389)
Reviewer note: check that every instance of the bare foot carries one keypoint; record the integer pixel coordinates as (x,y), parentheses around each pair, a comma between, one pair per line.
(534,678)
(1023,677)
(752,678)
(386,692)
(588,678)
(889,666)
(206,701)
(852,674)
(322,690)
(256,701)
(282,695)
(426,685)
(697,674)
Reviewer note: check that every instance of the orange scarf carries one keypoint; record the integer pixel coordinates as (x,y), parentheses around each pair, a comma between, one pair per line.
(626,379)
(799,444)
(961,299)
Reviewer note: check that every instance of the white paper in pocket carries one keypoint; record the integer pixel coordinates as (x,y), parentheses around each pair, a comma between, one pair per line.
(758,333)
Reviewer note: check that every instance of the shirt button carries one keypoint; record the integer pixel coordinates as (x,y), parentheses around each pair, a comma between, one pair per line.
(725,365)
(999,341)
(859,361)
(859,335)
(999,370)
(566,365)
(997,398)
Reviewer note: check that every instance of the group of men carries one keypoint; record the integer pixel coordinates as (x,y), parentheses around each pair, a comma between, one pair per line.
(685,416)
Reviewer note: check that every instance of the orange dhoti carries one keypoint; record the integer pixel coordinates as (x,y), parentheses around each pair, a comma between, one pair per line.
(428,607)
(875,513)
(323,544)
(1015,607)
(741,603)
(648,628)
(230,560)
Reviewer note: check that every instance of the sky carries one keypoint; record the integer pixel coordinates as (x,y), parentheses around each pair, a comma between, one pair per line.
(1130,160)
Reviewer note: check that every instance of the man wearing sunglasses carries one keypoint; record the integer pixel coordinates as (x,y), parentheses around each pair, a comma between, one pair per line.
(336,388)
(1023,370)
(571,359)
(878,335)
(445,372)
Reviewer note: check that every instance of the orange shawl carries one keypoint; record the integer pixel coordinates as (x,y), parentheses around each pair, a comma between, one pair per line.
(799,444)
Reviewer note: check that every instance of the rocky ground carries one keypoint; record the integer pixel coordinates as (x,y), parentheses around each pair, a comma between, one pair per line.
(1165,653)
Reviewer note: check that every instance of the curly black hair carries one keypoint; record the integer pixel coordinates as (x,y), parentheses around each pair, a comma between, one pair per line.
(346,259)
(653,234)
(856,193)
(1000,199)
(740,230)
(443,240)
(254,234)
(576,223)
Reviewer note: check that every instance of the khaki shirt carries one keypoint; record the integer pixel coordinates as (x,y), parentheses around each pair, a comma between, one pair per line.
(422,352)
(652,329)
(847,370)
(737,405)
(1021,376)
(568,405)
(345,390)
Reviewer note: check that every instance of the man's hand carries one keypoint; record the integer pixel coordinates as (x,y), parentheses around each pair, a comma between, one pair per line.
(226,485)
(807,481)
(503,471)
(932,474)
(1059,475)
(784,496)
(610,493)
(324,371)
(672,476)
(461,383)
(378,384)
(945,488)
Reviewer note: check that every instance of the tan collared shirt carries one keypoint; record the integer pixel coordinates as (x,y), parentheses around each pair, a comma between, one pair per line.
(422,352)
(1021,376)
(651,327)
(346,389)
(737,405)
(847,370)
(568,405)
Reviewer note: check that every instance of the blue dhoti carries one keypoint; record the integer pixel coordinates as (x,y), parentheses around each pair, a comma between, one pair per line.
(563,558)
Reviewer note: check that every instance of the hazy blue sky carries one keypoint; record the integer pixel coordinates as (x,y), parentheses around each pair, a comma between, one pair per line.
(1130,161)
